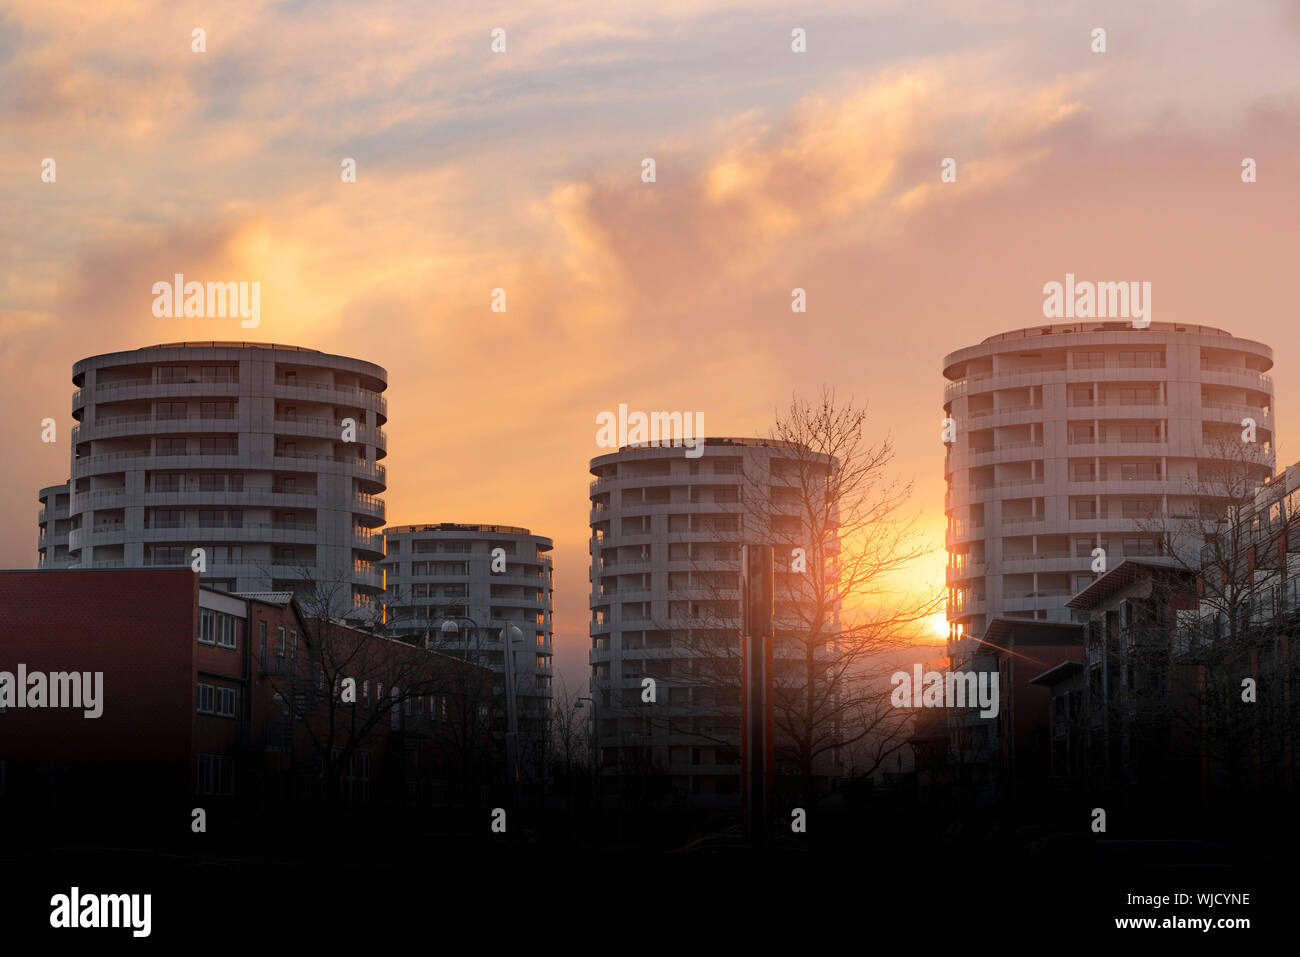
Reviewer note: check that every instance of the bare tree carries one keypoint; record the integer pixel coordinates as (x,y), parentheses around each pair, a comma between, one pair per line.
(836,518)
(1184,669)
(341,684)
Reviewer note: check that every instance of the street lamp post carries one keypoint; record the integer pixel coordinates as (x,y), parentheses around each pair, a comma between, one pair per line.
(510,634)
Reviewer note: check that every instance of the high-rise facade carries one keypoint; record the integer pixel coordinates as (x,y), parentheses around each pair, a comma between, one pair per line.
(1073,437)
(494,575)
(265,456)
(53,524)
(666,535)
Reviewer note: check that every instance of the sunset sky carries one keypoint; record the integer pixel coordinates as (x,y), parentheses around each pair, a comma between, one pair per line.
(522,170)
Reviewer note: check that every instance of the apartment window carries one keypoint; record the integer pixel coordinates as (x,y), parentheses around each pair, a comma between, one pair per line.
(220,373)
(1141,360)
(1139,433)
(166,483)
(261,641)
(1083,472)
(1141,396)
(1135,508)
(293,643)
(216,410)
(169,410)
(1089,360)
(1138,471)
(1141,546)
(170,445)
(218,445)
(167,555)
(209,518)
(207,626)
(226,631)
(226,702)
(1085,508)
(214,774)
(167,518)
(1081,434)
(279,633)
(207,698)
(170,374)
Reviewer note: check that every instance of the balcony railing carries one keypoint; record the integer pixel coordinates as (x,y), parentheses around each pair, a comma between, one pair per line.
(353,390)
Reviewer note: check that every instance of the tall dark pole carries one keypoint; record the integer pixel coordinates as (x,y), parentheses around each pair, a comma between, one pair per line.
(756,748)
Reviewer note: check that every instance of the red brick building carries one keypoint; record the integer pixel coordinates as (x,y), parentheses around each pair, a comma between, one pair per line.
(225,696)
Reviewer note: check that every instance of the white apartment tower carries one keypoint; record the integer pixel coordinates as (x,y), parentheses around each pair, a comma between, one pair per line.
(493,575)
(266,457)
(1070,437)
(666,534)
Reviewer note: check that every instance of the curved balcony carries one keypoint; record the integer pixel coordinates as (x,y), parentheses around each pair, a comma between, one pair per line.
(322,428)
(1117,410)
(125,390)
(249,495)
(368,575)
(369,506)
(359,468)
(373,543)
(518,601)
(1216,374)
(629,567)
(251,533)
(1002,454)
(953,574)
(964,532)
(1233,414)
(967,609)
(118,426)
(101,498)
(1043,599)
(329,392)
(138,459)
(1109,448)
